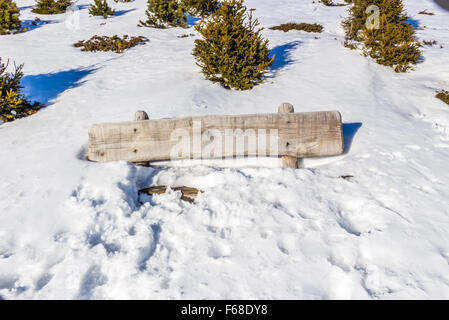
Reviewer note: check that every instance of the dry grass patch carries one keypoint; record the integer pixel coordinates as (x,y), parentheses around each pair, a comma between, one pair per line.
(429,43)
(443,95)
(308,27)
(114,43)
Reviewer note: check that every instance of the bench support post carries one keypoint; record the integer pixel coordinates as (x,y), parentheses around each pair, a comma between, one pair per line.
(141,116)
(287,161)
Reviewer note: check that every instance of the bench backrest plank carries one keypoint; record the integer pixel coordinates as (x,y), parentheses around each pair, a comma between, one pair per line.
(301,135)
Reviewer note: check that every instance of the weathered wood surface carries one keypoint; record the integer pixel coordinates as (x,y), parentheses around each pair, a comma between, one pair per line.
(287,161)
(187,193)
(286,108)
(140,116)
(299,135)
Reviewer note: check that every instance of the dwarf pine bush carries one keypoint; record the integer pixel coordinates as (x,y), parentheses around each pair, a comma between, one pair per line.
(10,99)
(101,8)
(232,51)
(12,102)
(356,21)
(164,13)
(9,17)
(386,36)
(360,13)
(201,7)
(51,6)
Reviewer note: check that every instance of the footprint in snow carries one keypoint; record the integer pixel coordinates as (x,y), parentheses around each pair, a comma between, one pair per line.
(199,102)
(91,280)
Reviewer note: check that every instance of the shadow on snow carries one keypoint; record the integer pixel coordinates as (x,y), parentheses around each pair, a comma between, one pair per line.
(46,87)
(122,12)
(282,55)
(34,24)
(349,132)
(413,22)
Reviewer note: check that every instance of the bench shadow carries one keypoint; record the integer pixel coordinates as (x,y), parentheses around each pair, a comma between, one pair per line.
(282,55)
(349,132)
(46,87)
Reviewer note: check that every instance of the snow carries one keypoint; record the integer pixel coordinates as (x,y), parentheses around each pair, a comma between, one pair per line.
(71,229)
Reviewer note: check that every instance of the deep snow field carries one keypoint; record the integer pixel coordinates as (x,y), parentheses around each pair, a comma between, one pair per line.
(72,229)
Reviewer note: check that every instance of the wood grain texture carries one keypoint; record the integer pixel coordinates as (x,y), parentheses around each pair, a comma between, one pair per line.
(286,108)
(140,116)
(288,161)
(310,134)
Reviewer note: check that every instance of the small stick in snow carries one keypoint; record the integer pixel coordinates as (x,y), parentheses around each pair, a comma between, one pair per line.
(427,13)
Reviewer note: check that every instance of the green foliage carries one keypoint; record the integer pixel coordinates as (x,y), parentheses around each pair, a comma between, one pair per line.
(392,43)
(12,102)
(308,27)
(201,7)
(51,6)
(350,45)
(443,95)
(9,17)
(163,13)
(114,43)
(232,51)
(355,23)
(101,8)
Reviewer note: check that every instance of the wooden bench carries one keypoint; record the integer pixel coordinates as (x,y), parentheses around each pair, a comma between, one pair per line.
(286,134)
